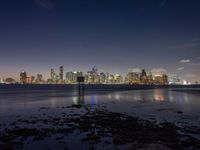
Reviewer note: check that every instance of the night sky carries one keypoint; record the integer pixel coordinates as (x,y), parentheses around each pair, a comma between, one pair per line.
(114,35)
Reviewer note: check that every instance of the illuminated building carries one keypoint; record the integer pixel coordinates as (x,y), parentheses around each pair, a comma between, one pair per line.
(61,73)
(1,81)
(149,78)
(10,81)
(69,77)
(163,80)
(133,78)
(75,75)
(23,77)
(118,78)
(54,77)
(111,79)
(92,76)
(30,80)
(39,78)
(102,78)
(173,79)
(107,76)
(52,73)
(89,77)
(143,77)
(97,79)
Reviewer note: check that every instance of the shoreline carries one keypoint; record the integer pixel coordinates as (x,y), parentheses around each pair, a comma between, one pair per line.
(97,128)
(98,86)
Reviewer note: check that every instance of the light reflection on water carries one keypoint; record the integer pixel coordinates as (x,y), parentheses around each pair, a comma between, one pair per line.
(159,95)
(141,102)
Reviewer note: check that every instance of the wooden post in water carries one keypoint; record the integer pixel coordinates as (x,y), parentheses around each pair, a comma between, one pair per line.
(80,81)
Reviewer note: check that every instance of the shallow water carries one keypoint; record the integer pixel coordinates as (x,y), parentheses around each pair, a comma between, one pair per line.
(157,105)
(154,104)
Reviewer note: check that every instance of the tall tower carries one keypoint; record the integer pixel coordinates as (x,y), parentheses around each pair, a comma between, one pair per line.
(52,74)
(23,77)
(61,73)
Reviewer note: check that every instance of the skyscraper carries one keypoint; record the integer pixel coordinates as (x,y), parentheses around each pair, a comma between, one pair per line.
(23,77)
(61,73)
(69,77)
(39,78)
(102,77)
(52,74)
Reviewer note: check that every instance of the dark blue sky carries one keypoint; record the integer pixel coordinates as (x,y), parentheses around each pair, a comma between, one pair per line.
(114,35)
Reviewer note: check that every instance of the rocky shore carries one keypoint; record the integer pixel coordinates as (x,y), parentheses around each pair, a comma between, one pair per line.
(97,129)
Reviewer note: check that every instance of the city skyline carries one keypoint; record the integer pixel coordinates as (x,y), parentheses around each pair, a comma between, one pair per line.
(115,35)
(96,76)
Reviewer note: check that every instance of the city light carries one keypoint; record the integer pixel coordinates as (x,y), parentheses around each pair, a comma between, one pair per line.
(133,77)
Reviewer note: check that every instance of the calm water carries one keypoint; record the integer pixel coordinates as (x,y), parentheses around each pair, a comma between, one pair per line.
(154,104)
(158,105)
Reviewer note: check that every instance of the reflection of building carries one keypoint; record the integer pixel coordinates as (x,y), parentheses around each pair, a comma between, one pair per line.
(158,95)
(23,77)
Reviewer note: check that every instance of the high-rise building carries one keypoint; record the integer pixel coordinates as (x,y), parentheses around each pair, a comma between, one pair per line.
(61,73)
(30,80)
(173,79)
(165,79)
(92,76)
(118,78)
(52,74)
(76,74)
(39,78)
(143,77)
(107,76)
(23,77)
(89,77)
(149,78)
(111,79)
(54,77)
(102,78)
(69,77)
(133,78)
(158,79)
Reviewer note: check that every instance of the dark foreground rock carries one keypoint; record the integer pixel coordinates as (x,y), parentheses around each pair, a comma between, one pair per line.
(99,127)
